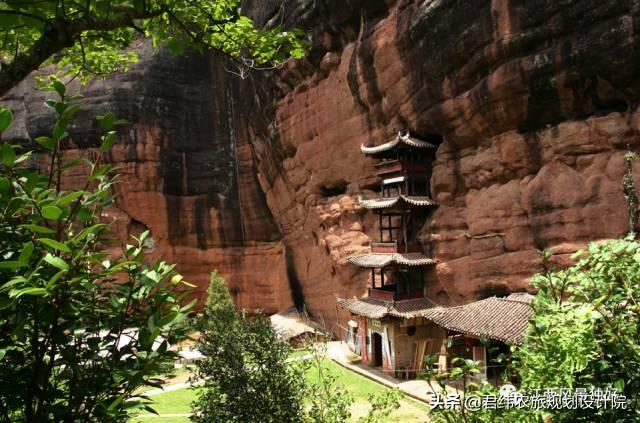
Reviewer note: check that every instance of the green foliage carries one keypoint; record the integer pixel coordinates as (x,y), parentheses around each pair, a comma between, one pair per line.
(463,376)
(382,405)
(246,374)
(82,330)
(249,375)
(328,399)
(92,37)
(586,329)
(584,333)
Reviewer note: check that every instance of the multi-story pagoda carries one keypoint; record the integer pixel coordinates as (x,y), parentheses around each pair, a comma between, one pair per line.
(395,325)
(390,331)
(402,207)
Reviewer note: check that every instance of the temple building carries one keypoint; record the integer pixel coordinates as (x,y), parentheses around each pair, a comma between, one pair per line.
(395,325)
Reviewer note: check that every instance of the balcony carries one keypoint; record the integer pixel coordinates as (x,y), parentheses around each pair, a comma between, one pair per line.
(394,247)
(396,167)
(388,293)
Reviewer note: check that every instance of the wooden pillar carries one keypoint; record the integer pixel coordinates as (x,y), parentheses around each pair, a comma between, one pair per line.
(480,355)
(404,230)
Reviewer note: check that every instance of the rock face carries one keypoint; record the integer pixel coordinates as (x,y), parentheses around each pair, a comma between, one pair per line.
(535,102)
(186,171)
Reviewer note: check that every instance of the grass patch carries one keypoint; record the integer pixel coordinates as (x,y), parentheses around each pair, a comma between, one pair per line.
(361,387)
(172,402)
(179,401)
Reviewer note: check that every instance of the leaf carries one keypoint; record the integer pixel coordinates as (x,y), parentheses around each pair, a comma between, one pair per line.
(5,118)
(55,278)
(176,45)
(7,154)
(70,164)
(5,185)
(27,291)
(60,130)
(9,264)
(38,229)
(115,403)
(107,121)
(25,255)
(21,158)
(46,142)
(61,106)
(70,111)
(70,197)
(188,284)
(56,262)
(59,87)
(32,182)
(55,244)
(176,279)
(189,306)
(51,212)
(108,141)
(50,104)
(85,232)
(144,235)
(167,319)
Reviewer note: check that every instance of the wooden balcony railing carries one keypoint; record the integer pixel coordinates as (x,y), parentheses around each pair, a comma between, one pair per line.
(389,294)
(400,168)
(394,247)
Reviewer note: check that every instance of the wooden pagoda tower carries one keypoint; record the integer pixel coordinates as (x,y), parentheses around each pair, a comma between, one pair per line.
(397,258)
(396,297)
(395,325)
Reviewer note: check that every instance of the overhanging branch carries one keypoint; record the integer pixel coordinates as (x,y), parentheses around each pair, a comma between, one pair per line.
(58,35)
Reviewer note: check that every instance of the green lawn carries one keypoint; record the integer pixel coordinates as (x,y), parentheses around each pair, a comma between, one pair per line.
(360,387)
(178,401)
(172,402)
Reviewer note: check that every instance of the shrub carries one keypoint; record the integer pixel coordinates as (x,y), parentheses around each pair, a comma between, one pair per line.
(82,330)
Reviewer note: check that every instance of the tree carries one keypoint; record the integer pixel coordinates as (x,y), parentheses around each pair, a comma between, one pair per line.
(249,376)
(80,330)
(89,37)
(586,329)
(246,374)
(329,401)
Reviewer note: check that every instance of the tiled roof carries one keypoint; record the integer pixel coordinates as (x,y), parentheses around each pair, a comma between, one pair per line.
(374,308)
(291,323)
(400,139)
(523,297)
(502,319)
(388,202)
(377,260)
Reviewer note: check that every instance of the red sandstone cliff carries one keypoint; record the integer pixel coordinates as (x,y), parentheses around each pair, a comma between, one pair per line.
(535,101)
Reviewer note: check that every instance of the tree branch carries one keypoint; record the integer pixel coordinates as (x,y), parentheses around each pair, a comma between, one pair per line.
(61,34)
(18,13)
